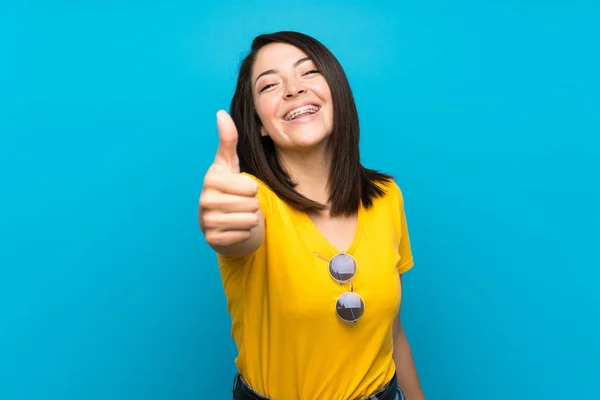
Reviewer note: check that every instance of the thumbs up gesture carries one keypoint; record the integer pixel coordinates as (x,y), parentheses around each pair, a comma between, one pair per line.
(229,211)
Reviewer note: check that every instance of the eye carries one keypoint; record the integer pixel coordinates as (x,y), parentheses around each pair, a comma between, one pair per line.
(266,87)
(312,71)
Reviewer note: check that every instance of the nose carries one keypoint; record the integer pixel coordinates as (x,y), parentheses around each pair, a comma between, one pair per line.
(294,89)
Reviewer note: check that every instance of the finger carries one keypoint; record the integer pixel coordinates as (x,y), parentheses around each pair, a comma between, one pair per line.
(229,183)
(218,238)
(228,138)
(230,222)
(229,203)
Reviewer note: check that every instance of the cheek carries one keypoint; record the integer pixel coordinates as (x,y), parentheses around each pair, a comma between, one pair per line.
(322,87)
(266,108)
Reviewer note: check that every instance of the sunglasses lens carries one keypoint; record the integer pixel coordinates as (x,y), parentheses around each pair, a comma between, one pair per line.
(350,307)
(342,268)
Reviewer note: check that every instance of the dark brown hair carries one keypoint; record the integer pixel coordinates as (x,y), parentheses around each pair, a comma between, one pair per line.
(349,182)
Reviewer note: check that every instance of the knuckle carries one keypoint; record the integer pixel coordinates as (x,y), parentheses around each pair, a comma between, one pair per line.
(210,220)
(211,199)
(220,241)
(250,183)
(215,239)
(205,200)
(245,236)
(209,236)
(211,179)
(255,204)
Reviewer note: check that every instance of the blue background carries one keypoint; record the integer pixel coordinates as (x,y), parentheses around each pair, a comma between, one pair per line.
(486,112)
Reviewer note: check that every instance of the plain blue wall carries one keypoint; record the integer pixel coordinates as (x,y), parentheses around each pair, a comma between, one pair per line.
(488,115)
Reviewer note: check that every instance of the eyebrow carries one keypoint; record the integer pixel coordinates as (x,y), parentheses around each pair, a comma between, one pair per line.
(274,71)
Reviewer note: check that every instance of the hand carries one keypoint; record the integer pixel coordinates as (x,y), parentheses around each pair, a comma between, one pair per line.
(228,208)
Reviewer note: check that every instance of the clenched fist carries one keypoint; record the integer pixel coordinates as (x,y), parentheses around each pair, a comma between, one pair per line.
(229,211)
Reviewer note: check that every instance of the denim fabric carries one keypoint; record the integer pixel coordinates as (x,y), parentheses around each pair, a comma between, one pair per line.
(249,393)
(400,394)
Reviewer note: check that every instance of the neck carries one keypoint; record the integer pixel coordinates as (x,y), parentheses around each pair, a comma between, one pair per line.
(310,170)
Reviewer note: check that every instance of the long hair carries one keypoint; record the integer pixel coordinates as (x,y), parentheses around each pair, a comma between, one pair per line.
(349,183)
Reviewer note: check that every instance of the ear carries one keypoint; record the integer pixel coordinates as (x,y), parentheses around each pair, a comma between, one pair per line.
(263,133)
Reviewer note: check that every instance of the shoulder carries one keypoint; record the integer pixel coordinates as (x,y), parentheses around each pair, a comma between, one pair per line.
(392,192)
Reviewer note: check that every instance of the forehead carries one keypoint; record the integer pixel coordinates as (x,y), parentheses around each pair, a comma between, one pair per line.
(276,56)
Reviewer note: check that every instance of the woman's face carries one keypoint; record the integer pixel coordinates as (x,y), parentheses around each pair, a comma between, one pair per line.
(291,97)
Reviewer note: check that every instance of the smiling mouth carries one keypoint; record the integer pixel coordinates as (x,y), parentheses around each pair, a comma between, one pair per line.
(301,111)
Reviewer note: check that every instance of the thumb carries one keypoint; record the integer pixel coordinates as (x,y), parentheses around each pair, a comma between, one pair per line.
(228,138)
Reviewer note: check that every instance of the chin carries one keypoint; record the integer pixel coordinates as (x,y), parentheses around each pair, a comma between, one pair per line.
(309,138)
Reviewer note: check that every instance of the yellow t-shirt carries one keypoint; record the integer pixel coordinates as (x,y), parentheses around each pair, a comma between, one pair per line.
(291,343)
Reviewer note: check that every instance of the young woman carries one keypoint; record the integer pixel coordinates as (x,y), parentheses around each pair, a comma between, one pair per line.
(311,245)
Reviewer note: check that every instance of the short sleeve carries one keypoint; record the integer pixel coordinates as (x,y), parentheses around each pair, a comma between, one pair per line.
(406,258)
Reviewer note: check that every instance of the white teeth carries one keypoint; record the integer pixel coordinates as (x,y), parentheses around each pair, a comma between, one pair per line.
(308,109)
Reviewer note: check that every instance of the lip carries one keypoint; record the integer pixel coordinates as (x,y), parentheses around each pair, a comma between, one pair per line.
(303,119)
(298,105)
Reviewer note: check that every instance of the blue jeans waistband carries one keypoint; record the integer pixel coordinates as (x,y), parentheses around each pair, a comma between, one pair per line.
(242,391)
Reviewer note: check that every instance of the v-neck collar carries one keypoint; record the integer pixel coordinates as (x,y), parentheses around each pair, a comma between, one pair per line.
(318,243)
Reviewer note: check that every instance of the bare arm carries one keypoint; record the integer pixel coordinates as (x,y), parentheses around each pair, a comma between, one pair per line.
(405,366)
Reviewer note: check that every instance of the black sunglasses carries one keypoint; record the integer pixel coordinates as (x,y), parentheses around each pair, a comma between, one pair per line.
(342,268)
